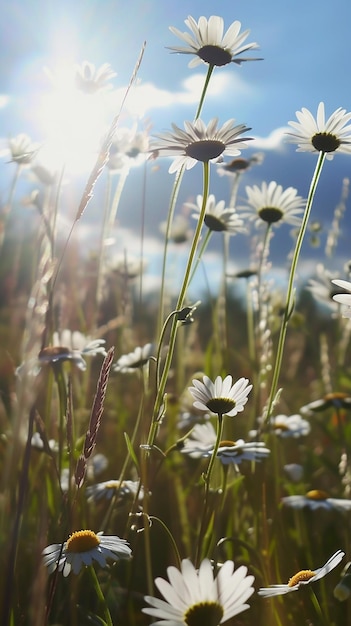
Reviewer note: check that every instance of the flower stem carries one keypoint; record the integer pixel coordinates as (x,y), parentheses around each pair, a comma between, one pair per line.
(291,291)
(204,90)
(101,597)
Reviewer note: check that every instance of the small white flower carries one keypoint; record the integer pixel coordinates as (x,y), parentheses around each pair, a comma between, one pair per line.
(343,298)
(321,288)
(290,426)
(129,363)
(125,491)
(82,548)
(197,597)
(294,471)
(90,79)
(71,346)
(302,578)
(272,205)
(319,135)
(208,43)
(22,149)
(237,451)
(199,142)
(317,499)
(200,441)
(217,217)
(221,396)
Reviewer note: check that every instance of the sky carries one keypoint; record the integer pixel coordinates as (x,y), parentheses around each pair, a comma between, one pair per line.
(306,49)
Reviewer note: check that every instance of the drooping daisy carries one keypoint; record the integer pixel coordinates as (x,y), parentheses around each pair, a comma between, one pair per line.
(290,426)
(125,491)
(320,135)
(336,400)
(343,298)
(217,217)
(82,548)
(317,499)
(272,205)
(197,597)
(209,45)
(221,396)
(22,149)
(302,578)
(71,346)
(199,142)
(90,79)
(129,363)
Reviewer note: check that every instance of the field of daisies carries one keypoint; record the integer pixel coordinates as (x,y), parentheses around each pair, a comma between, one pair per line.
(178,462)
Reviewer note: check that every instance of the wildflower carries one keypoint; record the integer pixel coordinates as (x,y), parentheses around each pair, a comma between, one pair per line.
(197,597)
(199,142)
(304,577)
(22,150)
(272,204)
(217,218)
(317,499)
(290,426)
(82,548)
(201,440)
(221,396)
(179,231)
(135,360)
(318,135)
(71,346)
(90,79)
(128,148)
(38,443)
(294,471)
(342,591)
(321,288)
(343,298)
(125,490)
(209,45)
(236,166)
(336,399)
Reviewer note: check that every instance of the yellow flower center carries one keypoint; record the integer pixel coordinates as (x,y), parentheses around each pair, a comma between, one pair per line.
(221,406)
(209,613)
(303,575)
(112,484)
(270,214)
(226,443)
(205,149)
(82,541)
(215,55)
(317,494)
(325,142)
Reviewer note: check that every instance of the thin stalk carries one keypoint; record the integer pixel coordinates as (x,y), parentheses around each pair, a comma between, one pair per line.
(179,306)
(290,290)
(101,597)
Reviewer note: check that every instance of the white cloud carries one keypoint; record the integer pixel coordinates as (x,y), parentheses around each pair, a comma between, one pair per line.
(147,96)
(274,141)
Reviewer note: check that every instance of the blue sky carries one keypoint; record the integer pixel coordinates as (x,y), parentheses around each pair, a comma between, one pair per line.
(306,47)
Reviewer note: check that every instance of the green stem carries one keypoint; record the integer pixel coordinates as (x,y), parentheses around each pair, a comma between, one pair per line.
(290,291)
(100,596)
(179,306)
(204,91)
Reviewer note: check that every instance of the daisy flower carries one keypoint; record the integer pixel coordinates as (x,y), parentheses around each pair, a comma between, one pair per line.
(238,451)
(317,499)
(22,149)
(71,346)
(221,396)
(321,288)
(197,597)
(82,548)
(201,440)
(239,165)
(318,135)
(90,79)
(199,142)
(125,491)
(302,578)
(272,204)
(290,426)
(343,298)
(208,43)
(129,363)
(336,400)
(217,217)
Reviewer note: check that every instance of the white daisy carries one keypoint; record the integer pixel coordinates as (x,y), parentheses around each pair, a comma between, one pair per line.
(290,426)
(221,396)
(237,166)
(319,135)
(125,491)
(335,399)
(317,499)
(199,142)
(90,79)
(71,346)
(200,441)
(272,204)
(22,149)
(343,298)
(217,217)
(197,597)
(304,577)
(321,288)
(238,451)
(209,45)
(129,363)
(82,548)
